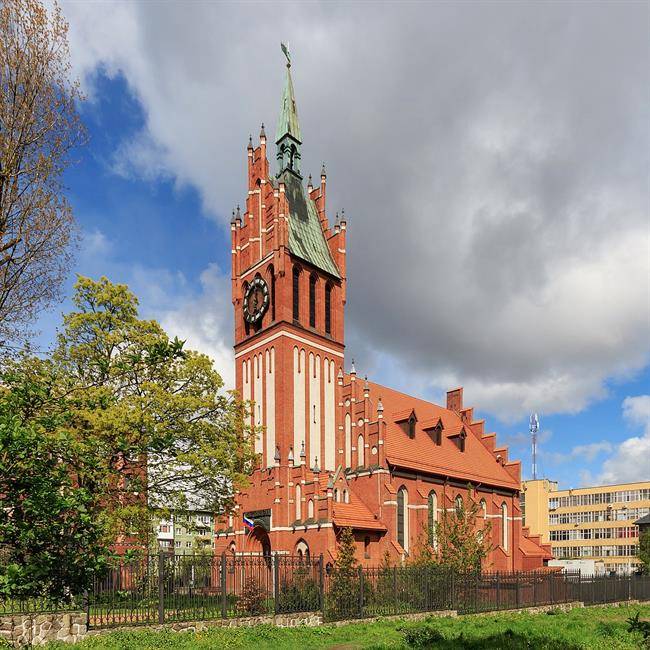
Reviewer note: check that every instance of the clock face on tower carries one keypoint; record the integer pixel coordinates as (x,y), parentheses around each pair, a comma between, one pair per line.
(256,300)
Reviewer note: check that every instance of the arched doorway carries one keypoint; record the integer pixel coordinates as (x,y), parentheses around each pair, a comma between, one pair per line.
(258,542)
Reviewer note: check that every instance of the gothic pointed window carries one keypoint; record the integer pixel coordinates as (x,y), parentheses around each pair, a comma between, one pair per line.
(272,284)
(360,451)
(298,503)
(328,308)
(432,507)
(312,301)
(402,518)
(504,526)
(296,293)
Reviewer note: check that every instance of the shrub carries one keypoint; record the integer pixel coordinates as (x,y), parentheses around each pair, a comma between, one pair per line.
(252,601)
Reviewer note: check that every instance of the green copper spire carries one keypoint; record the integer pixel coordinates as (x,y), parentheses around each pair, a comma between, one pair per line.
(287,136)
(288,120)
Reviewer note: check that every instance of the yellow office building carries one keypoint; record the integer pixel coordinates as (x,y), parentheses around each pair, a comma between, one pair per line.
(593,523)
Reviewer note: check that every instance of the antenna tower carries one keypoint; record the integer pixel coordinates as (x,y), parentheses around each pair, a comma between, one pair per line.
(534,428)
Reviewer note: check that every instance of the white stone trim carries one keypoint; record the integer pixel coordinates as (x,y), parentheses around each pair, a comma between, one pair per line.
(289,335)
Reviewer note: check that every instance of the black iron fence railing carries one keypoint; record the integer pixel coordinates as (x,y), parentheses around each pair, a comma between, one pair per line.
(165,588)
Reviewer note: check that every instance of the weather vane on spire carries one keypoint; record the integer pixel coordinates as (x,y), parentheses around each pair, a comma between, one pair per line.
(285,50)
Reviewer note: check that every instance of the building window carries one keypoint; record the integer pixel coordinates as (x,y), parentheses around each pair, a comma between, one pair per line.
(366,547)
(310,509)
(504,526)
(296,293)
(402,518)
(435,434)
(360,452)
(346,496)
(312,301)
(298,503)
(272,278)
(411,426)
(433,516)
(302,550)
(328,308)
(460,440)
(336,495)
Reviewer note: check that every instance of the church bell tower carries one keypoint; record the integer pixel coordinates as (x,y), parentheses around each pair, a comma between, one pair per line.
(288,293)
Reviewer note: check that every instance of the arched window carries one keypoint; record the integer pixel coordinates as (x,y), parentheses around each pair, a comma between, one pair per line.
(298,503)
(366,547)
(432,507)
(402,518)
(310,509)
(336,495)
(360,451)
(346,497)
(348,440)
(312,300)
(328,308)
(458,504)
(504,526)
(302,550)
(247,326)
(296,293)
(272,283)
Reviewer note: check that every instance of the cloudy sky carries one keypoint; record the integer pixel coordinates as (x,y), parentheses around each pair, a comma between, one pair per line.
(492,160)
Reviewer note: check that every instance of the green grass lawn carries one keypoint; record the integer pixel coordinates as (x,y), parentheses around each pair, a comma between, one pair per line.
(589,628)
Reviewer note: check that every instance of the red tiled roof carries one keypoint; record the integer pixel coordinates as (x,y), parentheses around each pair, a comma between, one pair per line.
(531,549)
(355,515)
(476,464)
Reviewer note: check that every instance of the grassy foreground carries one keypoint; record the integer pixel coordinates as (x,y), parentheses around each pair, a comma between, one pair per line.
(590,628)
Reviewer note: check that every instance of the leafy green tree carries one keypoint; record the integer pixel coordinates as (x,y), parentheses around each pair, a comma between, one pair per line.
(151,424)
(51,539)
(343,594)
(461,545)
(644,551)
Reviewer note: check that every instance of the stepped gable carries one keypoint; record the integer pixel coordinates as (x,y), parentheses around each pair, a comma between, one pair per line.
(476,464)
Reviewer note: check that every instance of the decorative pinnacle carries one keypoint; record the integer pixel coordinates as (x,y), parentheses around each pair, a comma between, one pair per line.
(262,132)
(353,370)
(309,180)
(233,217)
(322,172)
(277,455)
(238,215)
(366,385)
(380,406)
(291,454)
(315,468)
(302,450)
(250,141)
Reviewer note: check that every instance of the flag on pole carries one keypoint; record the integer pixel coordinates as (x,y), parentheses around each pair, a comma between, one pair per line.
(248,523)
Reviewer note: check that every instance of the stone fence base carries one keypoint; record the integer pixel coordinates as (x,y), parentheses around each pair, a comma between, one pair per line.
(39,629)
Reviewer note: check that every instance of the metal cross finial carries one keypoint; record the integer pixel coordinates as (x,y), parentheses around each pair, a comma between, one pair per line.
(285,50)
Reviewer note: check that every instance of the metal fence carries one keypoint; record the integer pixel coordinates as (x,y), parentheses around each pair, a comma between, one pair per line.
(166,588)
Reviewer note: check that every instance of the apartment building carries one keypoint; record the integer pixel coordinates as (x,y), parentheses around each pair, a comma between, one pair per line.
(595,523)
(186,532)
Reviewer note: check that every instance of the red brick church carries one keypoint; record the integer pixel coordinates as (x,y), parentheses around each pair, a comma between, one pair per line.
(337,450)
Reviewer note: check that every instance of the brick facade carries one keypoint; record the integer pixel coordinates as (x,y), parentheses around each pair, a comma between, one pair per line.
(337,450)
